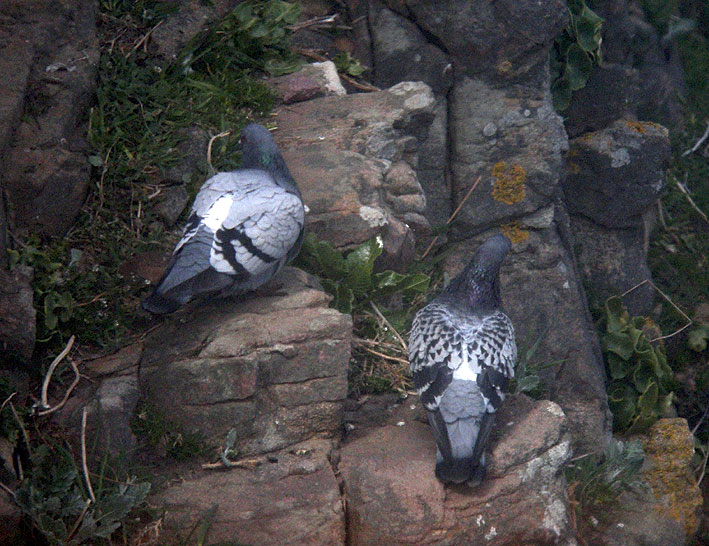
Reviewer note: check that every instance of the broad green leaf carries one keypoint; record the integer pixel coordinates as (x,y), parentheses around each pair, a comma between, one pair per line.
(344,299)
(643,376)
(527,383)
(616,315)
(95,160)
(617,367)
(578,67)
(561,94)
(620,343)
(360,264)
(647,401)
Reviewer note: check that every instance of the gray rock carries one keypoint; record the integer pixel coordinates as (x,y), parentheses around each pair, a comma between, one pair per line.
(46,172)
(393,496)
(611,92)
(171,202)
(402,53)
(433,168)
(509,39)
(615,174)
(613,261)
(519,164)
(294,500)
(17,314)
(274,367)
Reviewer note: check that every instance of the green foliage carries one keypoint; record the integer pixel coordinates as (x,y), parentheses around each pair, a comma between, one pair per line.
(347,64)
(527,378)
(157,430)
(351,279)
(640,389)
(697,339)
(575,53)
(55,499)
(598,480)
(253,35)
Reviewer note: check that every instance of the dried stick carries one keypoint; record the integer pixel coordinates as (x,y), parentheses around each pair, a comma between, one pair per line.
(244,463)
(704,467)
(698,143)
(315,21)
(689,320)
(144,39)
(84,466)
(209,146)
(50,371)
(385,356)
(452,216)
(691,201)
(404,346)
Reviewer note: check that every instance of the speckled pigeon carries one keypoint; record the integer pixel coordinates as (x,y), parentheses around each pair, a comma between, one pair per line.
(244,226)
(462,353)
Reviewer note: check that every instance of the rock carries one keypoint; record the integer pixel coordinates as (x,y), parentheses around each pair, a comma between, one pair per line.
(172,201)
(17,315)
(110,400)
(192,151)
(669,451)
(434,170)
(611,93)
(512,139)
(542,296)
(311,81)
(295,500)
(402,53)
(341,149)
(615,174)
(273,367)
(612,261)
(11,522)
(46,172)
(507,38)
(393,496)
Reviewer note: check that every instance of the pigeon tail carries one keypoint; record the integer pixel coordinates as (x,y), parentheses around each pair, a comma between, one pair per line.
(158,304)
(460,471)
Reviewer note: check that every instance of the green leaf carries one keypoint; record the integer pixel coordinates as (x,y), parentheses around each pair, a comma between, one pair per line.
(647,401)
(360,264)
(616,315)
(344,299)
(95,160)
(578,67)
(527,383)
(617,367)
(620,343)
(643,376)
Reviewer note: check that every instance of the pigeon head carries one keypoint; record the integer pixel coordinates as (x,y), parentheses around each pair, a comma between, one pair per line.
(480,280)
(260,151)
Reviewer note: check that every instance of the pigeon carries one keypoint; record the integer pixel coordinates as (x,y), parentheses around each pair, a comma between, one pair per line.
(244,226)
(462,354)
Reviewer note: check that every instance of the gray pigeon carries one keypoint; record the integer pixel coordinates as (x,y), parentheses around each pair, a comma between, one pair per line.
(244,226)
(462,353)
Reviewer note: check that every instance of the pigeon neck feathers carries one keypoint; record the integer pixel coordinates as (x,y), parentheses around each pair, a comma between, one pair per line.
(478,285)
(260,151)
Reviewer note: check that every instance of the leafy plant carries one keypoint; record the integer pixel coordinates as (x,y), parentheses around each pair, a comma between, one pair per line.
(253,35)
(640,391)
(697,339)
(54,498)
(575,52)
(158,431)
(347,64)
(351,278)
(598,480)
(527,378)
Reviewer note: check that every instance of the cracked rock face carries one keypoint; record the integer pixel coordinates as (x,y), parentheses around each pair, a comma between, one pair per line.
(393,496)
(273,367)
(292,498)
(354,158)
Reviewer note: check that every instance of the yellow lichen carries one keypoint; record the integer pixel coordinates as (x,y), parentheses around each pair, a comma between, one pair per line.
(669,449)
(574,168)
(508,187)
(636,126)
(515,233)
(504,67)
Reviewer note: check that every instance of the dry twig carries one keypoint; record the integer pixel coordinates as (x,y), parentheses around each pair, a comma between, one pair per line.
(43,407)
(84,465)
(314,22)
(683,189)
(144,39)
(244,463)
(698,143)
(404,346)
(209,146)
(453,215)
(689,320)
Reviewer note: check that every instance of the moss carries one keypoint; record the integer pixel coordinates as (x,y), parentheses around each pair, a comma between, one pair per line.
(669,448)
(509,183)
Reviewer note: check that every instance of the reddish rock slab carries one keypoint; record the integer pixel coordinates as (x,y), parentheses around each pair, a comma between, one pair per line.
(393,496)
(17,315)
(295,500)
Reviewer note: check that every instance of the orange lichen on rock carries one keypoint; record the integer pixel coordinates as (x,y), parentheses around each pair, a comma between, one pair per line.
(669,448)
(515,233)
(509,183)
(636,126)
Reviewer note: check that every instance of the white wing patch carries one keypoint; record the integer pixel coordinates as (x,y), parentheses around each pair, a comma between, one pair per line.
(218,212)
